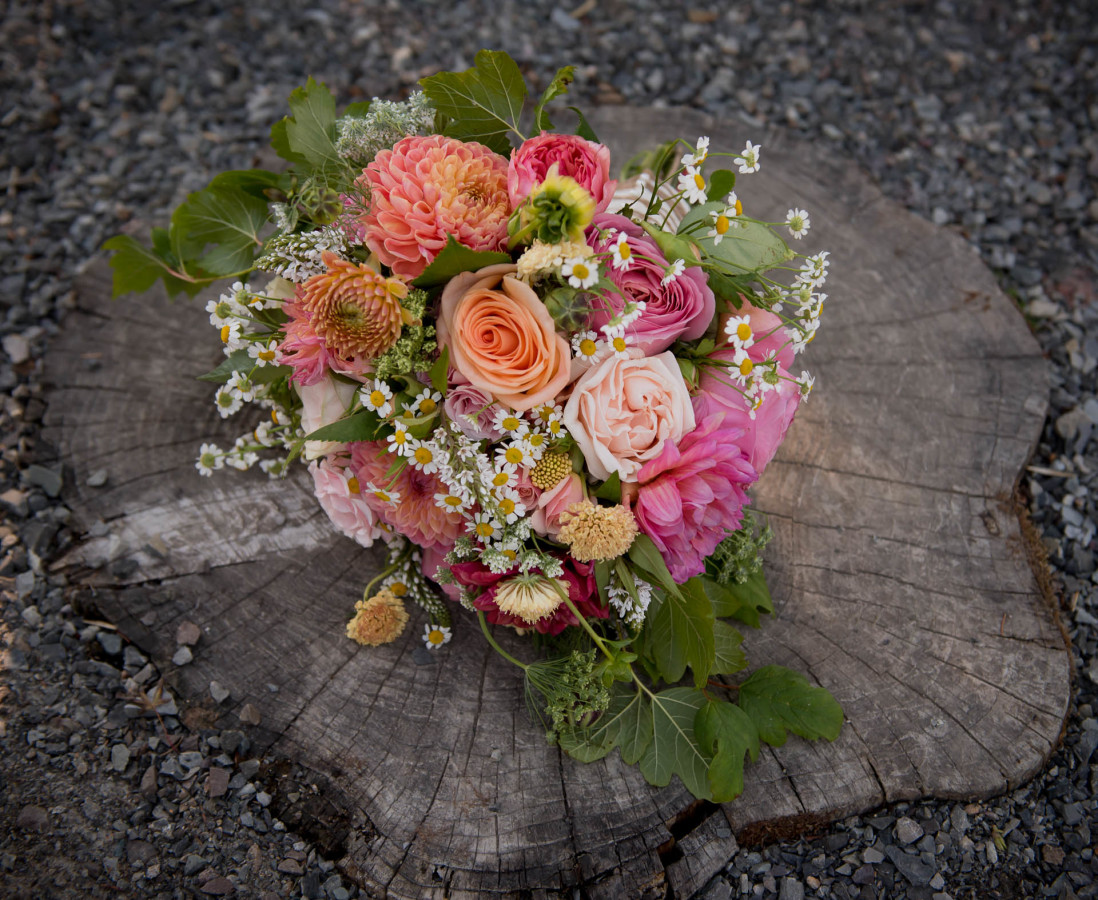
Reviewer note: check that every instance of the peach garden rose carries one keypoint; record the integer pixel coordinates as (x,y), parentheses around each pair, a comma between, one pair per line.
(502,338)
(623,410)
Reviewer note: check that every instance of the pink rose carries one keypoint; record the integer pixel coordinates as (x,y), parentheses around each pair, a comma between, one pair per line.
(623,410)
(682,308)
(545,519)
(467,400)
(322,403)
(528,491)
(344,506)
(585,161)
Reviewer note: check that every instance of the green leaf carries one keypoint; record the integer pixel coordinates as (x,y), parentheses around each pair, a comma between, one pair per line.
(750,248)
(622,723)
(674,749)
(741,601)
(356,110)
(137,267)
(728,657)
(610,489)
(440,371)
(454,259)
(602,579)
(364,425)
(777,698)
(674,246)
(483,103)
(307,136)
(557,87)
(721,183)
(583,127)
(250,181)
(680,634)
(726,733)
(240,361)
(228,217)
(646,557)
(657,161)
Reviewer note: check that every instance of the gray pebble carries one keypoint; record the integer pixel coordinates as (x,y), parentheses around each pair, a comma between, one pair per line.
(120,757)
(110,641)
(182,657)
(219,693)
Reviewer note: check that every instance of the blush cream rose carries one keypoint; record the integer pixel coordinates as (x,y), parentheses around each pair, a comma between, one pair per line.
(624,409)
(502,338)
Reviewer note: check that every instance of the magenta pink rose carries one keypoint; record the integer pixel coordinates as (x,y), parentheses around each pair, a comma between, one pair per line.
(585,161)
(682,308)
(692,495)
(625,409)
(545,519)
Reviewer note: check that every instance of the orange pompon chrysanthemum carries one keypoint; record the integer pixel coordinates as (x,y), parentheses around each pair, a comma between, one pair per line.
(355,310)
(428,188)
(379,620)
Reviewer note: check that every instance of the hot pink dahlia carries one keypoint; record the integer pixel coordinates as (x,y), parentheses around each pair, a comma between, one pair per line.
(691,495)
(427,188)
(414,514)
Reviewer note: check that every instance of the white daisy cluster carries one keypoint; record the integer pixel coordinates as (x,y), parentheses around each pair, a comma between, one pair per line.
(297,257)
(277,433)
(631,606)
(359,138)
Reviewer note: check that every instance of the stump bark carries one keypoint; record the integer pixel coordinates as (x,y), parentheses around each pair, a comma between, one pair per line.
(899,571)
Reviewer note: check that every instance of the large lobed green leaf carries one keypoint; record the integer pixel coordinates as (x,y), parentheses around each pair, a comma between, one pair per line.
(307,136)
(680,633)
(483,103)
(740,601)
(364,425)
(623,724)
(137,268)
(750,248)
(726,733)
(226,215)
(674,748)
(777,698)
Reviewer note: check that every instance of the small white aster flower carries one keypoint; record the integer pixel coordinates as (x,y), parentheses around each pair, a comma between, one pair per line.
(806,382)
(426,402)
(517,453)
(425,457)
(692,183)
(262,434)
(399,441)
(581,273)
(264,354)
(226,401)
(451,502)
(742,366)
(505,475)
(739,331)
(797,220)
(434,636)
(585,345)
(620,345)
(749,161)
(700,154)
(385,496)
(510,422)
(241,385)
(378,398)
(621,254)
(485,526)
(509,505)
(675,270)
(230,336)
(210,458)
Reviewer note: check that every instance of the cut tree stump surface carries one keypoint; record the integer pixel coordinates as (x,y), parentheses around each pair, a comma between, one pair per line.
(899,573)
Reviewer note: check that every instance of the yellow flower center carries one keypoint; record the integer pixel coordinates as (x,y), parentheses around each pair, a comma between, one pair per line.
(427,406)
(353,486)
(745,367)
(485,529)
(581,271)
(266,355)
(500,479)
(400,438)
(743,331)
(510,554)
(377,399)
(511,423)
(554,427)
(398,588)
(383,496)
(513,455)
(699,181)
(507,506)
(536,440)
(624,251)
(588,347)
(423,455)
(274,416)
(739,208)
(721,225)
(620,345)
(436,637)
(452,501)
(226,330)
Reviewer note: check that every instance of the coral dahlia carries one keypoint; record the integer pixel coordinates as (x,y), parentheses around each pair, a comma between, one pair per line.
(427,188)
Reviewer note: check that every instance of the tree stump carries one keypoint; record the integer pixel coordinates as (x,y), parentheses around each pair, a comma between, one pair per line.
(901,577)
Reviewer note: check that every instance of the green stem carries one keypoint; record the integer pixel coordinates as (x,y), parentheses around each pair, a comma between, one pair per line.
(491,640)
(397,563)
(587,626)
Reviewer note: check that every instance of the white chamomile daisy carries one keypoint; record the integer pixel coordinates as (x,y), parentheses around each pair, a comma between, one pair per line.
(581,273)
(223,310)
(380,493)
(509,505)
(692,184)
(434,636)
(230,336)
(378,397)
(724,220)
(547,412)
(424,456)
(620,344)
(621,254)
(242,386)
(426,402)
(805,335)
(742,366)
(749,161)
(797,220)
(504,476)
(451,502)
(806,383)
(485,526)
(516,453)
(674,271)
(262,434)
(210,458)
(510,422)
(700,154)
(739,331)
(399,441)
(264,354)
(585,345)
(226,401)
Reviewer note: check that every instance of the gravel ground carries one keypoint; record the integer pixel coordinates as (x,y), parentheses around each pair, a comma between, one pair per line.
(978,116)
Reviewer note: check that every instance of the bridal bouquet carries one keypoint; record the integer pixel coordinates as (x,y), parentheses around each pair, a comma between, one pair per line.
(546,391)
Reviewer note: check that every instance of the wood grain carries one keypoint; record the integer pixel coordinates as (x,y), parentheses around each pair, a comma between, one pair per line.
(898,570)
